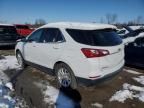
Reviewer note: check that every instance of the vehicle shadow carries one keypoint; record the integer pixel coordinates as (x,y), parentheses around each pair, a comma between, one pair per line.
(68,98)
(16,75)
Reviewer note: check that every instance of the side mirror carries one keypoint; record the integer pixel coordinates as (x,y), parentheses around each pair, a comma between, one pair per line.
(29,40)
(25,40)
(22,40)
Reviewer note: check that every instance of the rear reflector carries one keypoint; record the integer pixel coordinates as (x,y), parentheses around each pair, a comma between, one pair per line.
(90,53)
(94,77)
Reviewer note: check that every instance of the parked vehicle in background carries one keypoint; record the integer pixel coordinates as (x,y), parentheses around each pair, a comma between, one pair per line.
(74,51)
(23,30)
(134,52)
(136,27)
(8,35)
(127,31)
(134,45)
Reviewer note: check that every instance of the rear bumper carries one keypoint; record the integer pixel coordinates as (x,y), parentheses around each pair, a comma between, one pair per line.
(89,82)
(7,43)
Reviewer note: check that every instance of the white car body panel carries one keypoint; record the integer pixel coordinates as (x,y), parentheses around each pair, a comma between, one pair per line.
(69,52)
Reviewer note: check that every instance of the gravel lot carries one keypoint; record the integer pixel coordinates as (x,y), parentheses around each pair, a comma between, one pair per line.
(37,88)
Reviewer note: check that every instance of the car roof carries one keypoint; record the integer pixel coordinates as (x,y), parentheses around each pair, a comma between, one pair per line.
(136,27)
(76,25)
(6,24)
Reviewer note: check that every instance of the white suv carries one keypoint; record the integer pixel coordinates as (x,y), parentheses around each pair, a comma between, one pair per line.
(74,51)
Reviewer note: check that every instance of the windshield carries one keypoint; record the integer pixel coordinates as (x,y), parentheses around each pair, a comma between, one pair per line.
(8,33)
(128,28)
(7,30)
(106,37)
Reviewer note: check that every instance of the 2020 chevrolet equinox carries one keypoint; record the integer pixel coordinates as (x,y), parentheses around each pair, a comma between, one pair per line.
(73,51)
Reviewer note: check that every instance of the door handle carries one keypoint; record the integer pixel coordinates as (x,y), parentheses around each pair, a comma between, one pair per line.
(55,48)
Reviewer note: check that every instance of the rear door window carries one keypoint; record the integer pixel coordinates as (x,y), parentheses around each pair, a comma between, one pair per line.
(52,35)
(106,37)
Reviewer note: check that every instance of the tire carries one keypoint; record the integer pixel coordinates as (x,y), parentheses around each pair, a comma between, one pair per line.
(65,76)
(20,60)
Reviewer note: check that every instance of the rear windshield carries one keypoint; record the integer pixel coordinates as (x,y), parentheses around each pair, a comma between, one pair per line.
(22,27)
(7,30)
(106,37)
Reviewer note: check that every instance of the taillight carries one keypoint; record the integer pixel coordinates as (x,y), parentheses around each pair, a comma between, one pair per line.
(90,53)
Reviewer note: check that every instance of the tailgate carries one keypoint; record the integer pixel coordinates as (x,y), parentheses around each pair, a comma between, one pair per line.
(115,57)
